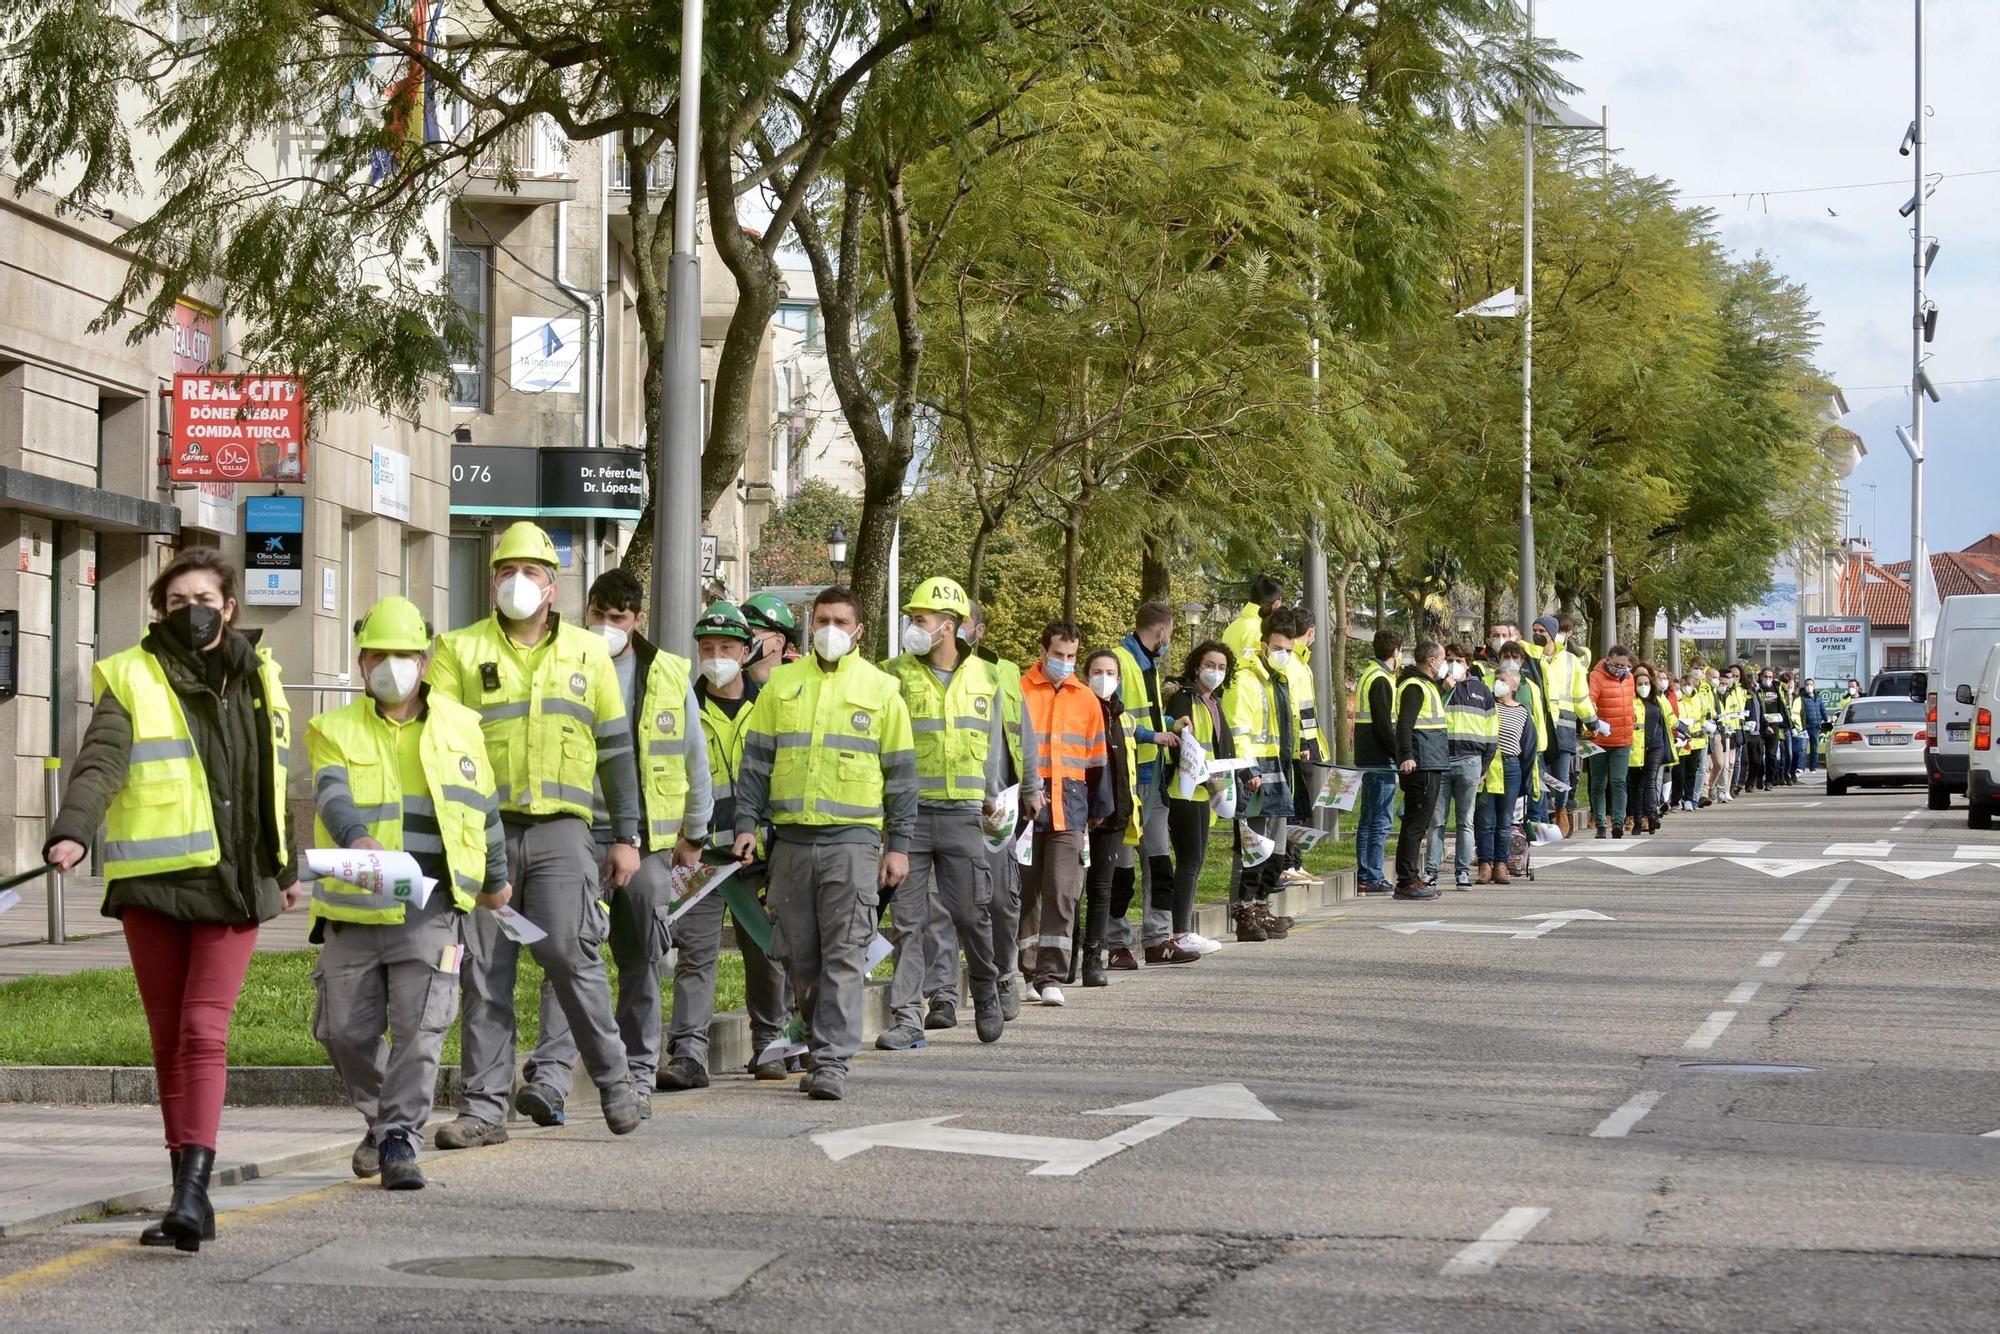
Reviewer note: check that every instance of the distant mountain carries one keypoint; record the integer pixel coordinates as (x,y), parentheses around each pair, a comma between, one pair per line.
(1961,485)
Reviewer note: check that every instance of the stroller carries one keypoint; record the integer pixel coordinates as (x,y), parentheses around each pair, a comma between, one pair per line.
(1520,857)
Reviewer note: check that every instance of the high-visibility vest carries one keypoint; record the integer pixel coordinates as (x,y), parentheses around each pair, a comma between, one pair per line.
(1735,703)
(1133,827)
(1139,703)
(952,725)
(1251,705)
(1431,716)
(831,735)
(724,736)
(544,710)
(1694,711)
(1242,635)
(1567,680)
(1473,723)
(1011,710)
(1305,698)
(1371,671)
(161,821)
(663,734)
(353,748)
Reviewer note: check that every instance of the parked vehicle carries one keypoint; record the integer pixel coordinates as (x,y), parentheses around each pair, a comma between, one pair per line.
(1876,740)
(1982,778)
(1968,627)
(1906,684)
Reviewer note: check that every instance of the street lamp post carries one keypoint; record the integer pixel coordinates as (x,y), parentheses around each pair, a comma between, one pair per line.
(836,548)
(1528,599)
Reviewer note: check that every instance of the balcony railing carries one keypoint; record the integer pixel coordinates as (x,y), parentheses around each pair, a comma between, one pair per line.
(535,154)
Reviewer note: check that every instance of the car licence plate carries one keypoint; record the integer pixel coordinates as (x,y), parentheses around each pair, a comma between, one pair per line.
(1957,731)
(1888,739)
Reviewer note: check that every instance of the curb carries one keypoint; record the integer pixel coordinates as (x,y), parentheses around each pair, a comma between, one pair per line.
(729,1040)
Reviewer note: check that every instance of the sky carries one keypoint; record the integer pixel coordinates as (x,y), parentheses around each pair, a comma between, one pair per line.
(1743,99)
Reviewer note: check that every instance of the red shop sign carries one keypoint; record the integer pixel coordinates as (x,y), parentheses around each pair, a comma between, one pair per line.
(238,428)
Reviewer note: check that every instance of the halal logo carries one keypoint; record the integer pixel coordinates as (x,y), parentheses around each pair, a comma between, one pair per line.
(860,721)
(577,684)
(468,768)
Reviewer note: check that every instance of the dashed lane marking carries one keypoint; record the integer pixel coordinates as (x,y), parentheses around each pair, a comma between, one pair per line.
(1711,1028)
(1771,959)
(1745,993)
(1797,930)
(1495,1242)
(1620,1123)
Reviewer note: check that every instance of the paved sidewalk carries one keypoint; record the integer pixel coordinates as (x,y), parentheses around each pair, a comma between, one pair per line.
(25,951)
(62,1163)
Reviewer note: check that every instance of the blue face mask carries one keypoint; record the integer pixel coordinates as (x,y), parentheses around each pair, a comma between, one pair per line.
(1056,670)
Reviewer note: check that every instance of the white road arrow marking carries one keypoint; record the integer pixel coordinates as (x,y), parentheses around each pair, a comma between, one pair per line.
(1737,846)
(1648,865)
(1878,848)
(1784,866)
(1550,921)
(1917,870)
(1056,1157)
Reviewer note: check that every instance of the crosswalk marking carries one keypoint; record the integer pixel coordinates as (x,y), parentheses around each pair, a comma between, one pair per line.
(1917,870)
(1732,846)
(1649,865)
(1878,849)
(1782,867)
(1977,852)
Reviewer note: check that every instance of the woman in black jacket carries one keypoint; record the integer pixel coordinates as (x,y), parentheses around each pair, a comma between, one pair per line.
(1194,707)
(185,760)
(1101,674)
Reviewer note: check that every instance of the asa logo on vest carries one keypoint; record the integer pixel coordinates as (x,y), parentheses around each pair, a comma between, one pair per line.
(860,721)
(578,685)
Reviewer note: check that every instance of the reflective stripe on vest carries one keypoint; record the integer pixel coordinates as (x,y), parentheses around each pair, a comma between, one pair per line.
(161,821)
(663,738)
(1430,717)
(724,737)
(1139,704)
(354,754)
(830,734)
(1371,671)
(951,725)
(1468,721)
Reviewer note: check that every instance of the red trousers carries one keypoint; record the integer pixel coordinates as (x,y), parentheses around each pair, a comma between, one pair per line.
(189,974)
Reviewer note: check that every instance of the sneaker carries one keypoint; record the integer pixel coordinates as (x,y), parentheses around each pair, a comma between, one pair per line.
(621,1107)
(1464,878)
(469,1132)
(1189,940)
(1408,892)
(1171,951)
(943,1014)
(828,1086)
(1051,994)
(540,1104)
(903,1037)
(1029,991)
(1123,961)
(399,1163)
(680,1074)
(1374,887)
(1010,997)
(367,1159)
(1298,876)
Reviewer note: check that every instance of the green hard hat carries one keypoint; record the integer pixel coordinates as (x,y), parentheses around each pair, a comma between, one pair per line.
(393,625)
(769,611)
(722,620)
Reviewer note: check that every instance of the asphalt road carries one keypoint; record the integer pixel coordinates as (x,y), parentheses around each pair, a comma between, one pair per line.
(1475,1131)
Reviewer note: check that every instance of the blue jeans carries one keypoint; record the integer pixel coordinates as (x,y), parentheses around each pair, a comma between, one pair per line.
(1371,837)
(1455,802)
(1495,812)
(1799,754)
(1812,749)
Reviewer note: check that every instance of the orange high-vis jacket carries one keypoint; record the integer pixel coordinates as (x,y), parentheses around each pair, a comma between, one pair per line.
(1069,727)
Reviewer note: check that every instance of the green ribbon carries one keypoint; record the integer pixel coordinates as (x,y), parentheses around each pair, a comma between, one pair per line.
(747,912)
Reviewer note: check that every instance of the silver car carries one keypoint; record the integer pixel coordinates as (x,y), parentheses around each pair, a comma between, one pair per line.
(1879,739)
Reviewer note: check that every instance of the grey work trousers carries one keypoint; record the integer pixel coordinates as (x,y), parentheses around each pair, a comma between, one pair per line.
(1156,922)
(824,896)
(697,946)
(372,982)
(553,867)
(949,877)
(1050,887)
(639,940)
(1003,919)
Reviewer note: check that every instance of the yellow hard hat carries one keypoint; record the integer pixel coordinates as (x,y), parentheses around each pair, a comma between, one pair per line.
(526,541)
(393,625)
(940,594)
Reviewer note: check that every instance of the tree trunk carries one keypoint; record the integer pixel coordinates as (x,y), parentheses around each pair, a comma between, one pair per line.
(975,564)
(758,286)
(1382,592)
(1489,605)
(1645,635)
(652,250)
(1343,738)
(1072,555)
(1155,578)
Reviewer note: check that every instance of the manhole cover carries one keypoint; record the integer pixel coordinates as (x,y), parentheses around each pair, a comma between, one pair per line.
(1748,1068)
(509,1268)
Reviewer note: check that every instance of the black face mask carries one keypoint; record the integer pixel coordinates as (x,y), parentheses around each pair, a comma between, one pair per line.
(194,627)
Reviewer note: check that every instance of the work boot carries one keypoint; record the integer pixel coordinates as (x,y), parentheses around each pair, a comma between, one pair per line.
(987,1020)
(621,1107)
(1010,997)
(399,1163)
(1122,961)
(1248,927)
(903,1037)
(1415,892)
(190,1218)
(943,1014)
(680,1074)
(1500,876)
(469,1132)
(1485,873)
(828,1086)
(156,1235)
(367,1159)
(540,1104)
(642,1089)
(1093,969)
(1275,927)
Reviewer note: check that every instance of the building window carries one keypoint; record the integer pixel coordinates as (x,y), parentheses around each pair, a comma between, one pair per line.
(1897,659)
(803,316)
(471,288)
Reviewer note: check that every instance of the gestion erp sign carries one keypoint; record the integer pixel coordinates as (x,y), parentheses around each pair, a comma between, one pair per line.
(238,428)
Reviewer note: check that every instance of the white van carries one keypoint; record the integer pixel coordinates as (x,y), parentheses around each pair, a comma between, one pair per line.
(1982,779)
(1967,629)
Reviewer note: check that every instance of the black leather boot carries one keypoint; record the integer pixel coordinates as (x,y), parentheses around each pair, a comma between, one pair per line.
(1093,969)
(156,1235)
(190,1211)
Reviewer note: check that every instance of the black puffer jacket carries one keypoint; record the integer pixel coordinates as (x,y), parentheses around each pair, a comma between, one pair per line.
(227,719)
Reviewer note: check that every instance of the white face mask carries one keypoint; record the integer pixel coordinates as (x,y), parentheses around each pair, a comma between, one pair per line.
(394,679)
(1503,687)
(519,597)
(720,671)
(614,639)
(832,643)
(918,640)
(1495,644)
(1212,677)
(1454,671)
(1281,658)
(1644,690)
(1104,684)
(1561,640)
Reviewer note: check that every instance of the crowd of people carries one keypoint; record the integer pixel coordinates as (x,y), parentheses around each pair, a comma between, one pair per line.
(568,787)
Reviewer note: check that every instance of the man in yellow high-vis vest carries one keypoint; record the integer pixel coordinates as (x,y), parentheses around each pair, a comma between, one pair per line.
(556,729)
(404,771)
(1423,757)
(829,761)
(674,802)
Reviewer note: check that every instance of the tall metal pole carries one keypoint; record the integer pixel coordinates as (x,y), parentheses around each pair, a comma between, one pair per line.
(1528,596)
(1920,562)
(677,509)
(1609,599)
